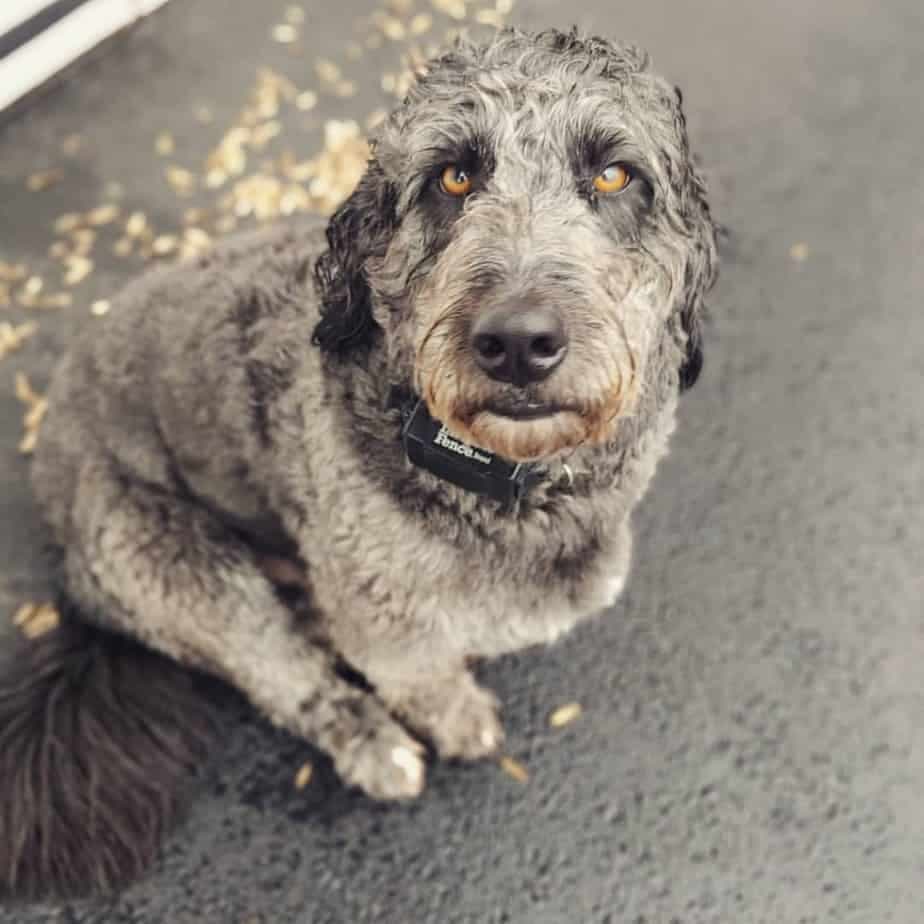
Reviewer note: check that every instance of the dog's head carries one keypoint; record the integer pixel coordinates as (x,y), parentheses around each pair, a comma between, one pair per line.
(530,233)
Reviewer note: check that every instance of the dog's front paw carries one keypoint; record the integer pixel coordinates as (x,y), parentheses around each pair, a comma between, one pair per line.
(458,716)
(387,765)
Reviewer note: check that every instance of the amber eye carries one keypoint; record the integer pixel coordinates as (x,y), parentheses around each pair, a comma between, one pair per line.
(614,179)
(455,181)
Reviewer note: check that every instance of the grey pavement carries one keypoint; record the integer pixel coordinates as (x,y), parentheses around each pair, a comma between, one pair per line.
(752,743)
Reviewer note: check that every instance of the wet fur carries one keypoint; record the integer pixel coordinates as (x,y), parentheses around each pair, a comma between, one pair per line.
(197,445)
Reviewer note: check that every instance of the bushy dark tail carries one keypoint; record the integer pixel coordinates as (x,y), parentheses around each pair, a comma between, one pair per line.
(97,738)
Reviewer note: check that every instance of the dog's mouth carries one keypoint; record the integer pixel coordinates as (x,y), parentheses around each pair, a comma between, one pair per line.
(525,410)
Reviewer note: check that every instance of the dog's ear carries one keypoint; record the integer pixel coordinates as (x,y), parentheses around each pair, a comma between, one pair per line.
(701,268)
(359,230)
(700,274)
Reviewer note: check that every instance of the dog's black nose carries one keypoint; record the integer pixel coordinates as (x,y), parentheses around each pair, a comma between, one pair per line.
(519,343)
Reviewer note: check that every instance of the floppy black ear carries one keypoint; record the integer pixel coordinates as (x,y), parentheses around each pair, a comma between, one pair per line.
(357,231)
(702,263)
(700,275)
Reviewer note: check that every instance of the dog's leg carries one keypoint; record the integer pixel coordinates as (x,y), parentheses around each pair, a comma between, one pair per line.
(449,708)
(165,571)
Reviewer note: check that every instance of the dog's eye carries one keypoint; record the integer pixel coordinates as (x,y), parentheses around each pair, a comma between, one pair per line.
(615,178)
(455,181)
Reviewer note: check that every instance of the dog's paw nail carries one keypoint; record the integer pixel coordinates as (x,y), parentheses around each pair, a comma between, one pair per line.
(409,762)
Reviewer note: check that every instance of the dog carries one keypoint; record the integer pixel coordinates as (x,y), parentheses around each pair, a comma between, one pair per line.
(431,417)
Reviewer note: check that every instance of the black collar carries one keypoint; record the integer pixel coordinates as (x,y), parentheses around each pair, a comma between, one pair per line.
(430,446)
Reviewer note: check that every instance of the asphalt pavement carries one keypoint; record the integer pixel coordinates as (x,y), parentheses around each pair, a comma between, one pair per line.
(751,747)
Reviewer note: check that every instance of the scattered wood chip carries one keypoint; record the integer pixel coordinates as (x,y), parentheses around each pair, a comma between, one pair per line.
(36,619)
(514,769)
(504,7)
(303,777)
(100,307)
(565,715)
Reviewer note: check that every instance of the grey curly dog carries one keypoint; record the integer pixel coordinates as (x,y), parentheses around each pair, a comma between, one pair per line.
(430,419)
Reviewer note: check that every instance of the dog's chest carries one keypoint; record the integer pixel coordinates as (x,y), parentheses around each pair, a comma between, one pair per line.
(410,586)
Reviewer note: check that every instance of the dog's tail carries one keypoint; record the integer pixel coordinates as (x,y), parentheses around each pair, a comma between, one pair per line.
(97,737)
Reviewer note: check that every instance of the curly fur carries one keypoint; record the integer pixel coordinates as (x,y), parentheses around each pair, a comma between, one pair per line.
(198,451)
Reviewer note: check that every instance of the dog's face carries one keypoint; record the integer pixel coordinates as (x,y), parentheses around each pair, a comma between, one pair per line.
(529,235)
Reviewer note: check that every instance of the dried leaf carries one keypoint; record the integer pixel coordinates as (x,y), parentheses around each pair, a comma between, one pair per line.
(799,252)
(393,28)
(454,9)
(136,224)
(12,337)
(36,407)
(76,269)
(164,244)
(71,145)
(36,619)
(565,715)
(306,100)
(33,285)
(164,144)
(489,17)
(327,71)
(285,33)
(68,222)
(12,272)
(514,769)
(182,180)
(421,23)
(102,215)
(303,777)
(43,179)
